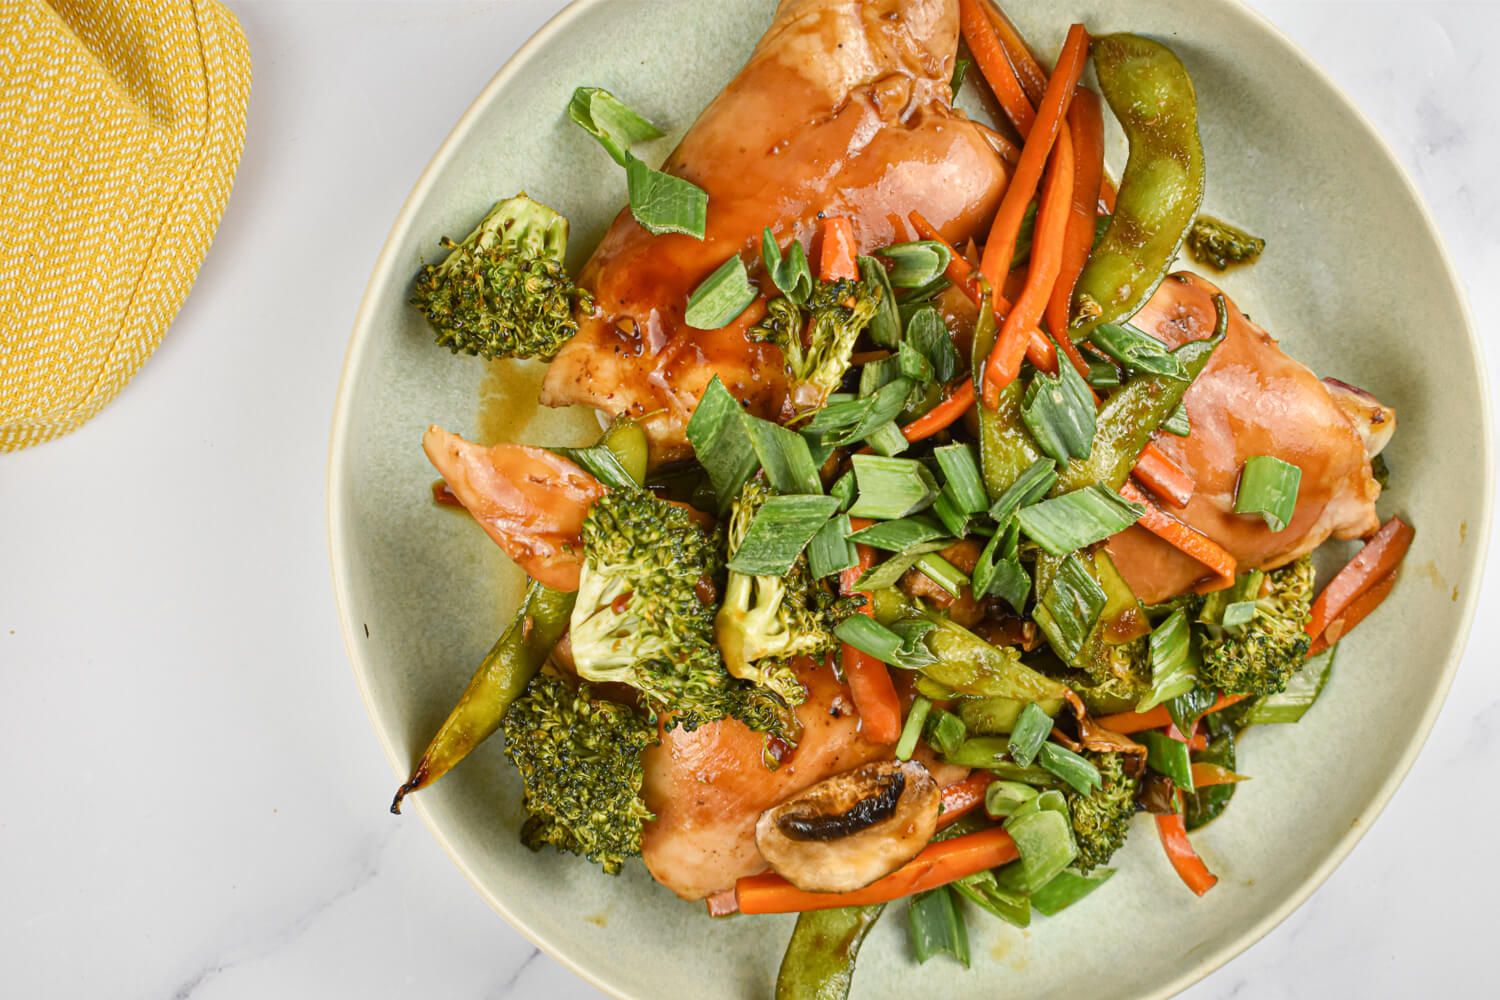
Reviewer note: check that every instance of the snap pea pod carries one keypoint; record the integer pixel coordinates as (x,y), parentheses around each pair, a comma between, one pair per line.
(819,959)
(503,674)
(1152,95)
(1129,418)
(1006,448)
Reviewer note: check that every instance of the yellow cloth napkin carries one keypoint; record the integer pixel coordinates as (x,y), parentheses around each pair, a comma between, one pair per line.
(121,123)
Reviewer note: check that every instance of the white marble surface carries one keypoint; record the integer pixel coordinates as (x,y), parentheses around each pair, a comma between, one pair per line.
(194,804)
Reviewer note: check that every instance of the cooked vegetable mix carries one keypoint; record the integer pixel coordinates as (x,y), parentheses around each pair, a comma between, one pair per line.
(916,559)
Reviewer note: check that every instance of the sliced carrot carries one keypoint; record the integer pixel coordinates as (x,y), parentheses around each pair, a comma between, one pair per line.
(1086,126)
(938,864)
(1000,247)
(869,679)
(1209,775)
(957,401)
(1004,362)
(839,257)
(1164,477)
(1185,539)
(1190,868)
(1356,612)
(1126,723)
(1033,78)
(963,797)
(1107,194)
(1376,561)
(994,65)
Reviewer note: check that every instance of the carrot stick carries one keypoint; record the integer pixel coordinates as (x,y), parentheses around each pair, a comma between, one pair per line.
(1033,78)
(1190,868)
(962,797)
(1376,561)
(1004,362)
(1164,477)
(956,402)
(1001,245)
(869,679)
(1355,613)
(1086,126)
(1209,775)
(1107,195)
(1126,723)
(1185,539)
(838,258)
(938,864)
(994,65)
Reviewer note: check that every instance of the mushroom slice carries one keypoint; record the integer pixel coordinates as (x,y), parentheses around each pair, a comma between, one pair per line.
(1375,421)
(849,830)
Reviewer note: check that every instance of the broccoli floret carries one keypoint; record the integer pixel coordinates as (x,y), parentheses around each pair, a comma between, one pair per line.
(1101,818)
(580,762)
(645,614)
(1220,245)
(1261,656)
(766,621)
(839,310)
(1118,670)
(503,292)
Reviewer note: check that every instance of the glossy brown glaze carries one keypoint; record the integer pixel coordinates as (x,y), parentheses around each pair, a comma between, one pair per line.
(709,787)
(1252,399)
(530,501)
(843,109)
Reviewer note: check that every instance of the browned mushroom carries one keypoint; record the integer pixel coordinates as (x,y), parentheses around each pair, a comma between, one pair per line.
(853,828)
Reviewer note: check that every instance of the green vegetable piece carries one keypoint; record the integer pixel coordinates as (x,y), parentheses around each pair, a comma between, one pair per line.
(512,661)
(1291,704)
(1006,448)
(1168,756)
(844,489)
(990,716)
(1003,798)
(945,731)
(885,574)
(1060,413)
(1173,661)
(992,753)
(943,573)
(1268,487)
(961,472)
(1203,806)
(901,535)
(869,636)
(503,292)
(926,332)
(785,456)
(1152,95)
(1065,889)
(1136,350)
(1032,484)
(983,891)
(1129,418)
(1069,607)
(1029,734)
(609,120)
(999,572)
(891,487)
(844,422)
(1045,844)
(1102,374)
(946,509)
(1177,422)
(1221,245)
(1074,520)
(1101,817)
(619,459)
(913,265)
(663,204)
(580,765)
(721,297)
(779,531)
(819,959)
(721,440)
(911,730)
(1079,774)
(888,440)
(937,926)
(1187,708)
(790,272)
(830,551)
(885,319)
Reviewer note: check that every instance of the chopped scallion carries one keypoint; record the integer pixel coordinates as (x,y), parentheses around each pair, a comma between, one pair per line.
(1060,413)
(945,731)
(1239,613)
(1002,798)
(1300,693)
(1044,839)
(1068,523)
(722,442)
(888,439)
(885,325)
(1168,756)
(843,489)
(609,120)
(901,535)
(937,926)
(1102,374)
(927,332)
(1081,775)
(960,70)
(961,473)
(912,730)
(1173,669)
(891,488)
(663,204)
(943,573)
(721,297)
(1066,613)
(912,265)
(1029,733)
(947,510)
(885,574)
(908,652)
(1033,483)
(914,364)
(785,456)
(789,272)
(779,532)
(1177,422)
(1268,487)
(873,375)
(830,550)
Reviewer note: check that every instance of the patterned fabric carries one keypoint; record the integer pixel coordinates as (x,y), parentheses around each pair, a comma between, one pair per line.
(121,123)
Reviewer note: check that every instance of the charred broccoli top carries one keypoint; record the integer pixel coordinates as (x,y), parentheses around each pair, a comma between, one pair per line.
(645,613)
(766,621)
(580,762)
(503,292)
(1221,245)
(1101,819)
(1261,656)
(839,310)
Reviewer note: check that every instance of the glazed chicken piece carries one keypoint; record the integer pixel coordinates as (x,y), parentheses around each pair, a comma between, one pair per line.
(1252,399)
(531,501)
(843,109)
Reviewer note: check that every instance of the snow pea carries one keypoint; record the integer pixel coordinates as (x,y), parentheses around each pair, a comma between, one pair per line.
(516,656)
(1006,448)
(819,959)
(1152,95)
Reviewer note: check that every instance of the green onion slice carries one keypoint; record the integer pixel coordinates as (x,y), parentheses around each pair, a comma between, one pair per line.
(830,550)
(785,456)
(1268,487)
(1301,692)
(789,272)
(1170,757)
(908,652)
(1071,606)
(912,730)
(912,265)
(721,297)
(1002,798)
(943,573)
(945,731)
(1028,735)
(1080,774)
(1173,661)
(1135,349)
(888,440)
(779,532)
(1069,522)
(662,203)
(609,120)
(902,535)
(961,473)
(1034,483)
(891,488)
(722,442)
(1061,414)
(937,926)
(1177,422)
(926,332)
(885,325)
(1044,840)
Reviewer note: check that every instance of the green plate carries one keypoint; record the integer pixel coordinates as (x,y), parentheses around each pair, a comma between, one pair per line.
(1356,283)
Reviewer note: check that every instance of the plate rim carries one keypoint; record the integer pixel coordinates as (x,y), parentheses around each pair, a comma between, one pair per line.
(378,287)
